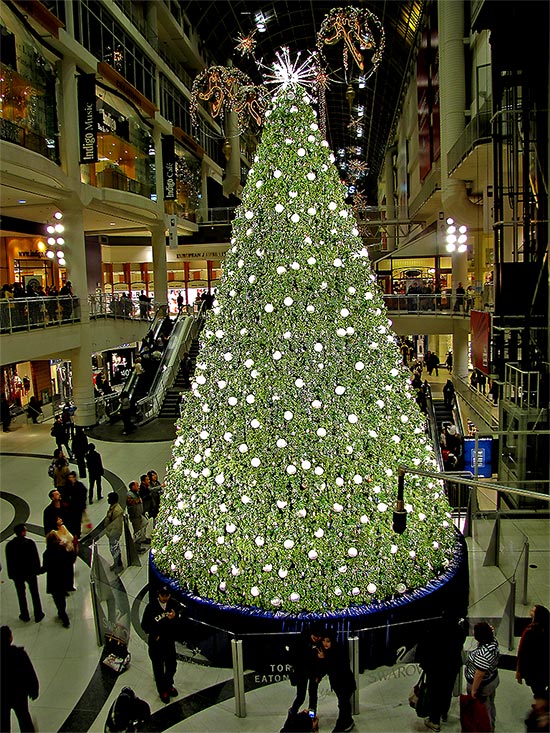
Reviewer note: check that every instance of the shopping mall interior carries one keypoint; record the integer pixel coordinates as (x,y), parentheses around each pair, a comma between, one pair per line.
(190,189)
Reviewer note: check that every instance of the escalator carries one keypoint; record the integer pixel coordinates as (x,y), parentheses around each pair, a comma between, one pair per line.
(182,383)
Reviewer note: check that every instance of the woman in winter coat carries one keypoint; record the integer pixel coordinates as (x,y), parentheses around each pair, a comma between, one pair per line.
(533,664)
(58,564)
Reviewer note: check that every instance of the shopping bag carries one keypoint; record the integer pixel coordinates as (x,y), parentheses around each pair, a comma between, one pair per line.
(418,698)
(474,717)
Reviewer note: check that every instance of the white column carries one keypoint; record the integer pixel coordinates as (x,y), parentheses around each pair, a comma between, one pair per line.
(69,140)
(390,200)
(460,352)
(160,274)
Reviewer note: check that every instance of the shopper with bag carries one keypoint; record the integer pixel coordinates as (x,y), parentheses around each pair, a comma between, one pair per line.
(481,670)
(439,654)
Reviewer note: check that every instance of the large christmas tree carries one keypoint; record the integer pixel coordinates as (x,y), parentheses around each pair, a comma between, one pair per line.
(283,479)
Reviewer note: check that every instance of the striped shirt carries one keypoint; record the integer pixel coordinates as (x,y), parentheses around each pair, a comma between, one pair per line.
(484,657)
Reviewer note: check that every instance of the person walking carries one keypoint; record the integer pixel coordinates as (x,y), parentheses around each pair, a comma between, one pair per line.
(533,663)
(160,623)
(18,683)
(23,566)
(59,433)
(5,414)
(34,409)
(303,656)
(126,412)
(76,496)
(439,654)
(481,669)
(341,680)
(113,529)
(54,510)
(80,446)
(134,505)
(96,471)
(58,565)
(459,298)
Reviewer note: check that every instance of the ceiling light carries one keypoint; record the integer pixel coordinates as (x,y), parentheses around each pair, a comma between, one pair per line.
(22,201)
(50,229)
(58,215)
(51,240)
(59,228)
(61,262)
(60,241)
(50,255)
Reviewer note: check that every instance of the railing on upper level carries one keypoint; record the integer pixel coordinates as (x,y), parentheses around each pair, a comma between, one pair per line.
(433,305)
(107,305)
(25,314)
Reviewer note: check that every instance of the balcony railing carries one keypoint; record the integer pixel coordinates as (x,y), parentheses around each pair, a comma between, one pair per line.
(430,304)
(478,131)
(25,314)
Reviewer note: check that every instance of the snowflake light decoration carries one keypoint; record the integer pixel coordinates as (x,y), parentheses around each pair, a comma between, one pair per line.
(358,167)
(287,73)
(246,44)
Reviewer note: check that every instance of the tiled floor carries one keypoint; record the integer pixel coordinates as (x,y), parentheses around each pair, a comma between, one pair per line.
(76,691)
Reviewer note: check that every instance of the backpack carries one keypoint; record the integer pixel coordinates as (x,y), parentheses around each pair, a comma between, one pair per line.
(51,469)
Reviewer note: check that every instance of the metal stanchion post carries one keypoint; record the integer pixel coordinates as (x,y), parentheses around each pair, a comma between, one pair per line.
(353,642)
(512,616)
(525,572)
(238,677)
(95,601)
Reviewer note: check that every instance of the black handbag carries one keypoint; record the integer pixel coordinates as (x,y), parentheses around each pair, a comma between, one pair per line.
(418,699)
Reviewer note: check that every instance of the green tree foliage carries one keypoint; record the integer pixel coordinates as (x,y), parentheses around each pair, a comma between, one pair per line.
(283,478)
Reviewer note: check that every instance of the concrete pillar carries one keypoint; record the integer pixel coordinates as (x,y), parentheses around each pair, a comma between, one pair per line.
(232,179)
(460,351)
(203,203)
(160,273)
(390,200)
(83,388)
(452,95)
(69,140)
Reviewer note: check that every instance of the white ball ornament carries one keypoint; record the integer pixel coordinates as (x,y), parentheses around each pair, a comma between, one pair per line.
(332,206)
(288,415)
(309,240)
(382,507)
(252,279)
(337,507)
(337,262)
(394,549)
(310,309)
(311,261)
(295,218)
(254,424)
(306,465)
(312,211)
(213,569)
(313,555)
(255,591)
(228,356)
(295,265)
(282,573)
(299,382)
(259,541)
(371,588)
(243,448)
(220,478)
(344,214)
(220,540)
(318,347)
(281,270)
(222,384)
(267,568)
(204,434)
(281,443)
(259,184)
(311,176)
(228,436)
(337,591)
(188,555)
(295,597)
(287,335)
(277,173)
(281,504)
(279,208)
(319,471)
(359,366)
(223,586)
(249,214)
(291,470)
(288,301)
(339,481)
(250,399)
(341,332)
(302,513)
(317,404)
(276,355)
(321,432)
(232,401)
(357,479)
(301,152)
(352,419)
(230,528)
(352,552)
(206,472)
(364,519)
(340,390)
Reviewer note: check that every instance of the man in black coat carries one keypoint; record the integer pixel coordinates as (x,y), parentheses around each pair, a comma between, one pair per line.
(52,511)
(304,653)
(160,622)
(18,682)
(95,472)
(23,565)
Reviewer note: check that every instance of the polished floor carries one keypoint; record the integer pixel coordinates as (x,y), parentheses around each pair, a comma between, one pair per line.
(76,690)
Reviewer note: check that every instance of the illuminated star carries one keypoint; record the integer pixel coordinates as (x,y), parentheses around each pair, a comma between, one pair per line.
(246,44)
(287,73)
